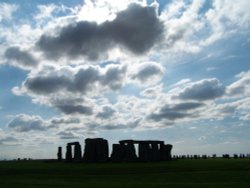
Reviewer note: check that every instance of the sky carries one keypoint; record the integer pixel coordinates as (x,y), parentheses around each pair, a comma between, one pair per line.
(175,70)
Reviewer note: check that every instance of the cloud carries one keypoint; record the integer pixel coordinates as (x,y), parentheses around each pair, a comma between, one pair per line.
(114,77)
(75,109)
(246,117)
(130,124)
(230,108)
(234,13)
(107,112)
(127,125)
(47,84)
(147,73)
(136,29)
(206,89)
(46,11)
(81,79)
(59,121)
(9,140)
(70,89)
(6,11)
(240,88)
(175,112)
(85,79)
(69,104)
(187,106)
(67,135)
(18,57)
(26,123)
(152,91)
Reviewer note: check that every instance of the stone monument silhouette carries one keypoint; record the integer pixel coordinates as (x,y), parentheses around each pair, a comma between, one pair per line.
(59,154)
(77,157)
(97,150)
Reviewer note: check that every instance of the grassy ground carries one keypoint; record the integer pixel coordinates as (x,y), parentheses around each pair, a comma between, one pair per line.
(228,173)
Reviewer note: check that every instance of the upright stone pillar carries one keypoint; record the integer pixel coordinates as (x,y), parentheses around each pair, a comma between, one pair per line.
(59,154)
(89,151)
(156,156)
(96,150)
(166,152)
(130,154)
(143,152)
(68,153)
(117,154)
(105,151)
(77,152)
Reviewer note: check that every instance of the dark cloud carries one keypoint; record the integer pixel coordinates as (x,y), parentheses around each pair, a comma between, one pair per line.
(168,114)
(75,109)
(47,84)
(54,82)
(59,121)
(83,81)
(147,71)
(25,123)
(178,111)
(106,112)
(9,140)
(136,29)
(207,89)
(114,77)
(19,57)
(187,106)
(66,135)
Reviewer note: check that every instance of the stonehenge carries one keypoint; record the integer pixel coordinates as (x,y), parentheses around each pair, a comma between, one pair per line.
(148,150)
(97,150)
(77,157)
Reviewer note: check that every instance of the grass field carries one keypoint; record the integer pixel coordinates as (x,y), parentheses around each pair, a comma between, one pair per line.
(228,173)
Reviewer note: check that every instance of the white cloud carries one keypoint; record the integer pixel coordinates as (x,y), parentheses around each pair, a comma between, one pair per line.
(6,11)
(241,87)
(246,117)
(152,91)
(226,17)
(104,10)
(45,11)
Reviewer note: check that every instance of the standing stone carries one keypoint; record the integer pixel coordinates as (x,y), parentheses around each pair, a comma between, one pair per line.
(144,152)
(68,153)
(117,154)
(166,152)
(89,151)
(77,152)
(130,154)
(96,150)
(59,154)
(105,151)
(156,155)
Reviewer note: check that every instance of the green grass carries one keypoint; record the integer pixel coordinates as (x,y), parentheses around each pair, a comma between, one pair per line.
(228,173)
